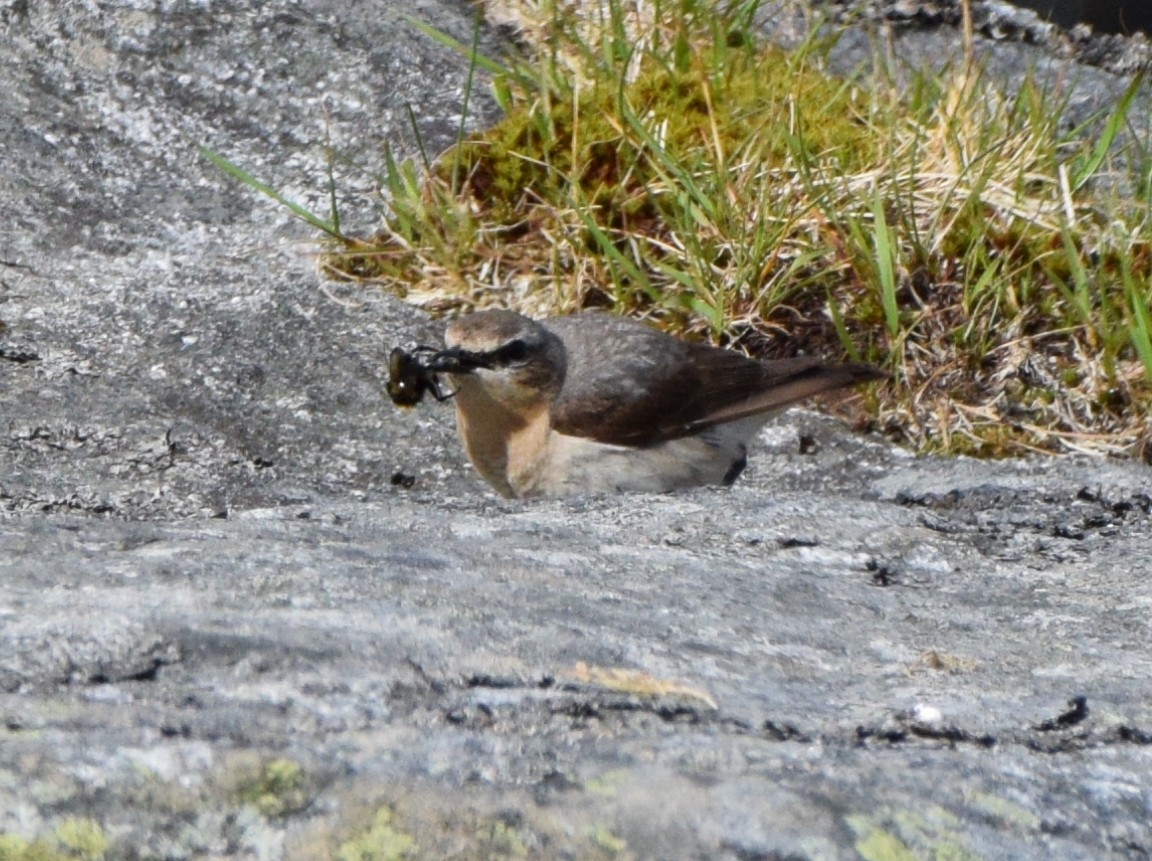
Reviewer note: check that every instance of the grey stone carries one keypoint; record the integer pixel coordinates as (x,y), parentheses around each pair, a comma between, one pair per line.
(225,632)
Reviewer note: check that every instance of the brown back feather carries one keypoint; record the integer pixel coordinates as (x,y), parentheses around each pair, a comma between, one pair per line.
(629,384)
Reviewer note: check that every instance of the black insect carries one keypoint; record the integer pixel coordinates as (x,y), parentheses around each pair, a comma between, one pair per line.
(409,377)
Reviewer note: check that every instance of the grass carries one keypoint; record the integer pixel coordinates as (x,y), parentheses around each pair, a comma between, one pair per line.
(659,160)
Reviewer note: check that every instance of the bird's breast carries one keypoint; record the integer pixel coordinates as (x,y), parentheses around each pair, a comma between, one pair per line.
(507,447)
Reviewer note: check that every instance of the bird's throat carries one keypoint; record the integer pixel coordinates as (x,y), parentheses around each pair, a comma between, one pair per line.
(507,447)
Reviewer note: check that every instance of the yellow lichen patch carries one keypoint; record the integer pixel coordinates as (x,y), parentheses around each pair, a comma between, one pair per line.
(277,789)
(876,844)
(74,839)
(382,841)
(609,842)
(636,682)
(910,836)
(944,662)
(1008,813)
(82,838)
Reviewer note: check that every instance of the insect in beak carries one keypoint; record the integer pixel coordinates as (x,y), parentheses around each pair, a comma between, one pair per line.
(410,375)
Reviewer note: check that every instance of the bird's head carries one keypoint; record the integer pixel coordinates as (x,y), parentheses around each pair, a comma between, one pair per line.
(517,361)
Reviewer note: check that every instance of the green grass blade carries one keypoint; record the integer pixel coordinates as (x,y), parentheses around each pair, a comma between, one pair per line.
(401,193)
(706,310)
(473,54)
(628,267)
(427,162)
(1140,330)
(885,266)
(485,63)
(1116,121)
(682,179)
(1080,293)
(296,209)
(330,170)
(841,329)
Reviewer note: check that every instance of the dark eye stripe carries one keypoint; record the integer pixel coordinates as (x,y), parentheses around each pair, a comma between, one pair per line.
(510,353)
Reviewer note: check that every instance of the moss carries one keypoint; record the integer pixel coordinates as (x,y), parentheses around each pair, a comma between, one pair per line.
(589,150)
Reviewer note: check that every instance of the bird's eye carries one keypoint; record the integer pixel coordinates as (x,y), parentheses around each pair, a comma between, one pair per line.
(513,351)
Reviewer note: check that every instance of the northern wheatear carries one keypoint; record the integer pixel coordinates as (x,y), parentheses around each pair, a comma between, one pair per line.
(594,403)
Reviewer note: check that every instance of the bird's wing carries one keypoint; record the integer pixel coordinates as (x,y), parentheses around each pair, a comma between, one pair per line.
(759,387)
(629,384)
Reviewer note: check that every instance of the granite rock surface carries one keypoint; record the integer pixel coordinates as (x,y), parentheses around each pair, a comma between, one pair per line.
(250,610)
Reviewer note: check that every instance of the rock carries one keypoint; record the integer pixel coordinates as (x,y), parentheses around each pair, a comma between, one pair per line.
(226,631)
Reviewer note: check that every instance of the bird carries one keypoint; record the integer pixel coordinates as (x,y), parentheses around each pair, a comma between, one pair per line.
(594,403)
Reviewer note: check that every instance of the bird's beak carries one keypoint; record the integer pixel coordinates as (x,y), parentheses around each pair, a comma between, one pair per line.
(456,360)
